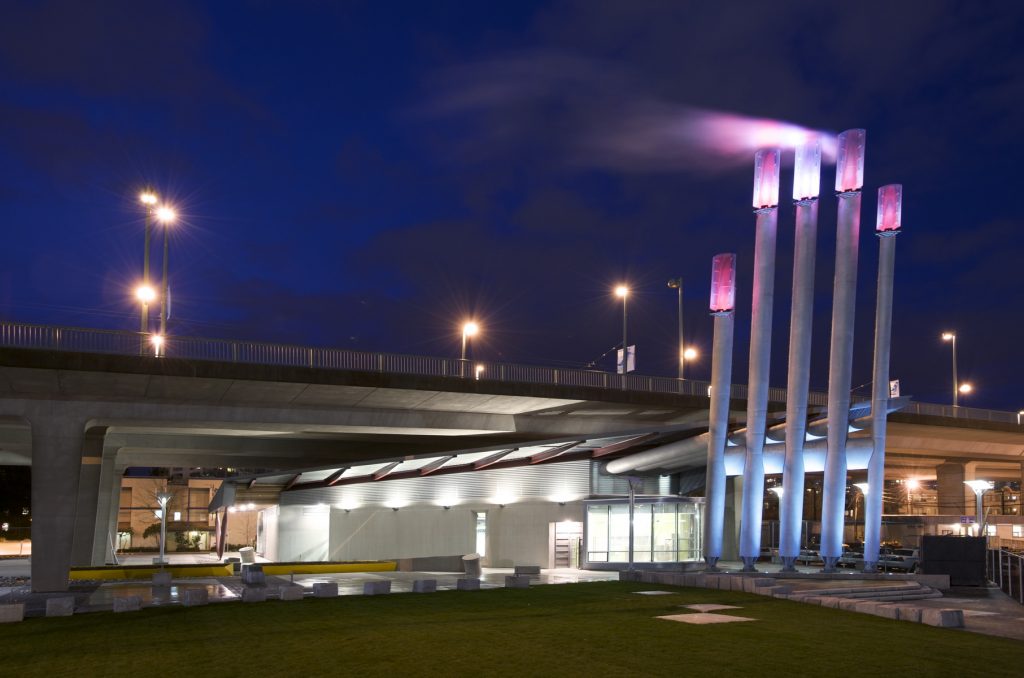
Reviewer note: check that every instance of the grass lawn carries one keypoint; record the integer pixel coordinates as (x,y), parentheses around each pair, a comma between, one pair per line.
(593,629)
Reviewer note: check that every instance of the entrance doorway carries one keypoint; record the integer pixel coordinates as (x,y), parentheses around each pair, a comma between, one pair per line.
(566,541)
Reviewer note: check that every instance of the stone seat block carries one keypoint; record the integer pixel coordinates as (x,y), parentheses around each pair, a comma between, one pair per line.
(251,594)
(909,613)
(14,612)
(947,618)
(377,588)
(527,569)
(325,589)
(291,593)
(468,584)
(127,604)
(60,607)
(517,581)
(161,578)
(424,586)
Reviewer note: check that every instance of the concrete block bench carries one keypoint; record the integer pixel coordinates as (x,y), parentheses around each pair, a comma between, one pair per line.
(527,569)
(195,597)
(325,589)
(517,581)
(377,588)
(14,612)
(60,607)
(291,593)
(251,594)
(468,584)
(161,578)
(424,586)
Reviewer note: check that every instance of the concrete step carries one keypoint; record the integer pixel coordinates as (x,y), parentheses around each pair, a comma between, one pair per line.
(864,591)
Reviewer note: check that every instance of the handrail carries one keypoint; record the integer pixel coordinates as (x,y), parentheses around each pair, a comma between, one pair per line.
(122,342)
(1005,569)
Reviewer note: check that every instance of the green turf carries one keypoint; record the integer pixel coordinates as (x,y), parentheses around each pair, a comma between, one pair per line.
(595,629)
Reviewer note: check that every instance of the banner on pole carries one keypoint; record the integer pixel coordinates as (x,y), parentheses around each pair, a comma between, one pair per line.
(894,388)
(631,365)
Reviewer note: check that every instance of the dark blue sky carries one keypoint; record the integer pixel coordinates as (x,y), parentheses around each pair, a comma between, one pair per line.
(367,174)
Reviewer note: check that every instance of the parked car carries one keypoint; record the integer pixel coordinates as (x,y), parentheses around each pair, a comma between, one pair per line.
(808,557)
(852,559)
(904,560)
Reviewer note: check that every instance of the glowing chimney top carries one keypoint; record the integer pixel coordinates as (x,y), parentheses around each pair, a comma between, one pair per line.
(807,170)
(890,209)
(850,161)
(766,178)
(723,284)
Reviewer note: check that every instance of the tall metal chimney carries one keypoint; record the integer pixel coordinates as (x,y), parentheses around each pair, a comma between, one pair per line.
(887,226)
(806,185)
(766,202)
(723,304)
(849,182)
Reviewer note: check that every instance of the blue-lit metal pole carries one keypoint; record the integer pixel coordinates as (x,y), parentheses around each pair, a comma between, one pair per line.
(723,287)
(806,186)
(766,200)
(849,181)
(890,200)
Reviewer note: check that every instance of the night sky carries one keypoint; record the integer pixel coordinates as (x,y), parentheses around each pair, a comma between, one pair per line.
(369,174)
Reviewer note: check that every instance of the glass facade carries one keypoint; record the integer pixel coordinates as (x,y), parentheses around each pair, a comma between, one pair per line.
(664,531)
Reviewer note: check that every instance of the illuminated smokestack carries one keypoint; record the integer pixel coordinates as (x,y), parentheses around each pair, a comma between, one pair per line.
(849,179)
(766,179)
(766,199)
(723,284)
(807,170)
(890,207)
(723,297)
(850,161)
(806,183)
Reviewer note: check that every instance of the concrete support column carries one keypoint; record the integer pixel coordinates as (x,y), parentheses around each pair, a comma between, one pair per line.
(792,502)
(833,504)
(721,378)
(88,496)
(950,493)
(107,505)
(757,389)
(879,400)
(56,465)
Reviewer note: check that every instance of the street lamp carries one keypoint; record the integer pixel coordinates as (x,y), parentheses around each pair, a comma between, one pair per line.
(951,337)
(469,329)
(166,216)
(980,487)
(149,199)
(622,292)
(677,285)
(162,498)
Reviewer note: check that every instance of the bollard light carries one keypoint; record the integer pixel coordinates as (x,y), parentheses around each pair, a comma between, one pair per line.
(890,210)
(850,161)
(807,170)
(766,179)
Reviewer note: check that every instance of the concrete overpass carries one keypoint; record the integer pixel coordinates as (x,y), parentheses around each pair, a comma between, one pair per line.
(82,405)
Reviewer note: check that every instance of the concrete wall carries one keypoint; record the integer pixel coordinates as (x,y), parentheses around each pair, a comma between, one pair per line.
(518,534)
(303,533)
(269,542)
(412,532)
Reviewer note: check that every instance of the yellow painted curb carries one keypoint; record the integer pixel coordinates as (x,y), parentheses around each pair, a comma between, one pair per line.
(115,573)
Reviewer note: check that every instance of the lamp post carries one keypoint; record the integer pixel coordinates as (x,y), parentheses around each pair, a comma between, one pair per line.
(677,285)
(469,330)
(145,293)
(951,337)
(166,216)
(980,487)
(623,292)
(163,498)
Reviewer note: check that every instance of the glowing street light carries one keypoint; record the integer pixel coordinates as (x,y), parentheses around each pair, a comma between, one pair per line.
(158,344)
(622,292)
(980,487)
(951,337)
(166,216)
(145,294)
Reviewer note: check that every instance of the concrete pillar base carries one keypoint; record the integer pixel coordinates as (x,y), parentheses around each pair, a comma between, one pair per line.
(748,564)
(870,567)
(788,564)
(711,563)
(830,565)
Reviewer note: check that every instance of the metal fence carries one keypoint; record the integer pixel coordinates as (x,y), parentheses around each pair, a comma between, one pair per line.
(20,335)
(1006,570)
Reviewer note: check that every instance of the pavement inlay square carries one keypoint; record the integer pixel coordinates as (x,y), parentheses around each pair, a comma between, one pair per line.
(654,593)
(710,607)
(705,618)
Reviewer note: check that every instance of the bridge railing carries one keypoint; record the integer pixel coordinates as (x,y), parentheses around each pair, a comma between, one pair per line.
(22,335)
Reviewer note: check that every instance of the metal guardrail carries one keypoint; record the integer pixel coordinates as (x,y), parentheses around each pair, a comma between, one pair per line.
(1006,570)
(21,335)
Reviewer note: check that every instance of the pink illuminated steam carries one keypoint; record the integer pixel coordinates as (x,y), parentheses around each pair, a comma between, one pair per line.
(850,161)
(890,209)
(766,178)
(723,284)
(807,169)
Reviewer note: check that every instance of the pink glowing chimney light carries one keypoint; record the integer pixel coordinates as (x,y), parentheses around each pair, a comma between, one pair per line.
(850,161)
(766,178)
(723,284)
(890,209)
(807,169)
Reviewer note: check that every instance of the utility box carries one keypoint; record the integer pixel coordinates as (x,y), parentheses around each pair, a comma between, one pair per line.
(962,558)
